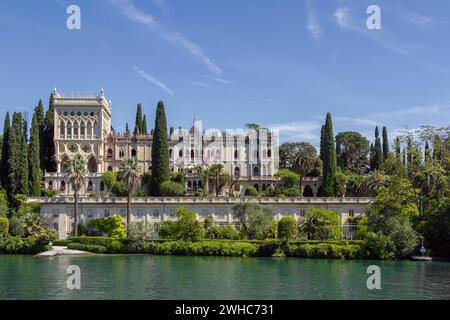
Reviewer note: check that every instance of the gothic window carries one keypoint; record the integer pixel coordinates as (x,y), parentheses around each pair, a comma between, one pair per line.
(62,186)
(121,153)
(237,172)
(102,186)
(110,168)
(180,153)
(69,130)
(269,153)
(255,171)
(109,154)
(86,148)
(62,129)
(192,154)
(90,186)
(194,185)
(133,153)
(92,165)
(89,129)
(96,129)
(235,154)
(83,129)
(170,153)
(50,185)
(189,185)
(75,130)
(72,148)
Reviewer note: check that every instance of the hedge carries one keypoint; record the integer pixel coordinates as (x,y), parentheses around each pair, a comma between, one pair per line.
(325,250)
(19,245)
(86,247)
(206,248)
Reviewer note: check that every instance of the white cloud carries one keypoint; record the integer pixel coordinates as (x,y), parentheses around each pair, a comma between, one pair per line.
(312,23)
(224,81)
(153,80)
(342,17)
(136,15)
(417,19)
(304,130)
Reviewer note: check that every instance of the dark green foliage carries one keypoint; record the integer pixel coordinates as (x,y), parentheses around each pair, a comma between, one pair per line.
(287,228)
(385,144)
(378,158)
(138,124)
(4,210)
(378,246)
(251,191)
(352,151)
(172,189)
(5,152)
(320,224)
(35,174)
(160,151)
(144,125)
(4,226)
(47,146)
(86,247)
(168,230)
(255,219)
(206,248)
(190,229)
(16,226)
(324,251)
(330,185)
(17,158)
(19,245)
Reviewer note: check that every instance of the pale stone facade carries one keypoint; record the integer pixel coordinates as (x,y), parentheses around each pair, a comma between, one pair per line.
(58,211)
(83,128)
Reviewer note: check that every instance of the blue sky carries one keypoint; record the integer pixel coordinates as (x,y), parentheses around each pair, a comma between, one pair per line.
(281,64)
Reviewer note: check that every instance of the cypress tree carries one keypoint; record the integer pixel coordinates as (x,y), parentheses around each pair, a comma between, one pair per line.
(378,151)
(47,146)
(330,186)
(127,129)
(385,144)
(372,157)
(171,130)
(40,117)
(144,125)
(17,157)
(4,163)
(404,156)
(138,123)
(35,174)
(397,148)
(322,140)
(160,151)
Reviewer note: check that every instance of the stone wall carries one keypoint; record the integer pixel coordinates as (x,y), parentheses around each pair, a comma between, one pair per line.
(58,211)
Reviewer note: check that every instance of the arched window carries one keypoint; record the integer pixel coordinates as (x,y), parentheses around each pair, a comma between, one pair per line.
(102,186)
(189,185)
(194,185)
(192,154)
(75,129)
(133,152)
(109,153)
(170,153)
(110,168)
(92,165)
(121,153)
(180,153)
(269,153)
(69,130)
(62,129)
(200,185)
(255,171)
(96,129)
(237,172)
(90,186)
(308,192)
(150,168)
(50,185)
(62,186)
(235,154)
(89,129)
(83,129)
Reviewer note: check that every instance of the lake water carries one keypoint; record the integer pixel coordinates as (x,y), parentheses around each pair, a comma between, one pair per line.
(171,277)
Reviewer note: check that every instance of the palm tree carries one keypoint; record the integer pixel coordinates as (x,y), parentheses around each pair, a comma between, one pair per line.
(370,183)
(203,174)
(76,170)
(131,176)
(216,170)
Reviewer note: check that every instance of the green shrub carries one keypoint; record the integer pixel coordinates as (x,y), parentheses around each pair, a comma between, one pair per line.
(16,226)
(228,232)
(19,245)
(172,189)
(324,250)
(86,247)
(4,226)
(49,192)
(251,191)
(116,246)
(96,241)
(113,226)
(206,248)
(287,228)
(62,243)
(378,246)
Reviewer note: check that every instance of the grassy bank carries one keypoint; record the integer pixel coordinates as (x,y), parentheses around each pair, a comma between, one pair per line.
(305,249)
